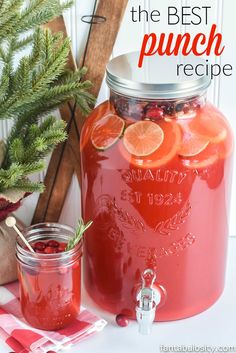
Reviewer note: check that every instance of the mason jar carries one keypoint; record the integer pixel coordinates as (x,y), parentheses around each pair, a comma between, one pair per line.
(50,284)
(156,177)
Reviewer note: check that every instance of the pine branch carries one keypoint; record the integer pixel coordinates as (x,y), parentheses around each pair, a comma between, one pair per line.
(36,86)
(22,43)
(79,233)
(15,20)
(29,186)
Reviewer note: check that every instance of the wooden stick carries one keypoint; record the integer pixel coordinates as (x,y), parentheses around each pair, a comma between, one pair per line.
(99,49)
(11,223)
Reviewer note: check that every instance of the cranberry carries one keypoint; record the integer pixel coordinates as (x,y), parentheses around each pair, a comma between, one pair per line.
(39,246)
(122,107)
(154,113)
(136,110)
(53,243)
(62,247)
(196,104)
(168,109)
(186,108)
(122,320)
(39,251)
(50,250)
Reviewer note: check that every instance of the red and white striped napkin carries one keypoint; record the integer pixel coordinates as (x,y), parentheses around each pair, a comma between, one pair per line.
(22,338)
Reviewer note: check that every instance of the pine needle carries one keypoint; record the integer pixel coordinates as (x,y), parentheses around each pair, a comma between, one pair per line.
(33,86)
(79,232)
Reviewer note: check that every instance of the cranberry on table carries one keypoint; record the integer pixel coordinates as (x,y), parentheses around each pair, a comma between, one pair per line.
(122,320)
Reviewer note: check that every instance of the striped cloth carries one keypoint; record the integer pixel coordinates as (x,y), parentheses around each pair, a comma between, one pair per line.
(22,338)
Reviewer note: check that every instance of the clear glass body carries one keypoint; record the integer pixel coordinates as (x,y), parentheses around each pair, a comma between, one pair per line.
(50,284)
(159,203)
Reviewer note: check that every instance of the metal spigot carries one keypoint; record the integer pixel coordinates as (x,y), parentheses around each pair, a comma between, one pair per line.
(148,298)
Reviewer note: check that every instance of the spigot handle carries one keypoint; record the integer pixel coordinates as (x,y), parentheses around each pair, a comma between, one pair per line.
(148,298)
(146,275)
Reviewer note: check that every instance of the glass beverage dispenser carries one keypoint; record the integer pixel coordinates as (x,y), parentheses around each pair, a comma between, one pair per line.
(156,171)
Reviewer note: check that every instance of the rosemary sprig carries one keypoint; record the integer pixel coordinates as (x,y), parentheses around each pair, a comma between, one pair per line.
(80,229)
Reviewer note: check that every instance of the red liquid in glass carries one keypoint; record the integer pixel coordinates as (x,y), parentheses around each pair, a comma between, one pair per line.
(50,298)
(163,211)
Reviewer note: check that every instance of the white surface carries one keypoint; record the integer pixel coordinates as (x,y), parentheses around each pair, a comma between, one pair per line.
(214,327)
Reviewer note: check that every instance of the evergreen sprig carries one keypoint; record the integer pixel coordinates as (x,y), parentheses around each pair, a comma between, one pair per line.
(33,86)
(79,232)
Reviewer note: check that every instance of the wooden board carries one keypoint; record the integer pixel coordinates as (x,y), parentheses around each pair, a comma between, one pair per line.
(66,158)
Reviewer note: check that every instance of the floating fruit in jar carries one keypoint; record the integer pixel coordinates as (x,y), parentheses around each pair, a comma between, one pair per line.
(168,144)
(209,123)
(107,131)
(192,144)
(153,112)
(207,157)
(143,138)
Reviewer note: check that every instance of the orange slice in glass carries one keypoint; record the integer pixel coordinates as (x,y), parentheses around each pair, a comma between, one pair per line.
(143,138)
(107,131)
(166,151)
(203,159)
(209,123)
(192,144)
(100,111)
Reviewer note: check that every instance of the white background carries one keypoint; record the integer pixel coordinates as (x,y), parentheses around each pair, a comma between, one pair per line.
(221,93)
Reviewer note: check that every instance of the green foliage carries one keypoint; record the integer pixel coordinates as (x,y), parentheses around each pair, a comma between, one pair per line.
(79,233)
(33,87)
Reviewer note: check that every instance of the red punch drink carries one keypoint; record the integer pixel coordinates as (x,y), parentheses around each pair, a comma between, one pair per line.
(156,172)
(50,278)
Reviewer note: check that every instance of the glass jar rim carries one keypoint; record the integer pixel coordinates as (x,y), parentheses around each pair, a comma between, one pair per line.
(33,233)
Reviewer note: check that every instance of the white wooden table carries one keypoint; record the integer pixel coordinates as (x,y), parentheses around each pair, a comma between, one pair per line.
(214,328)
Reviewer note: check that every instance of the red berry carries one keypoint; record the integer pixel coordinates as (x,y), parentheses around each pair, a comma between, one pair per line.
(49,250)
(186,108)
(53,243)
(62,247)
(196,104)
(39,251)
(154,113)
(122,320)
(39,246)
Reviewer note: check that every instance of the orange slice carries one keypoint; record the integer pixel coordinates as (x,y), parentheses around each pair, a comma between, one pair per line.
(143,138)
(203,159)
(209,123)
(192,144)
(164,153)
(107,131)
(100,111)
